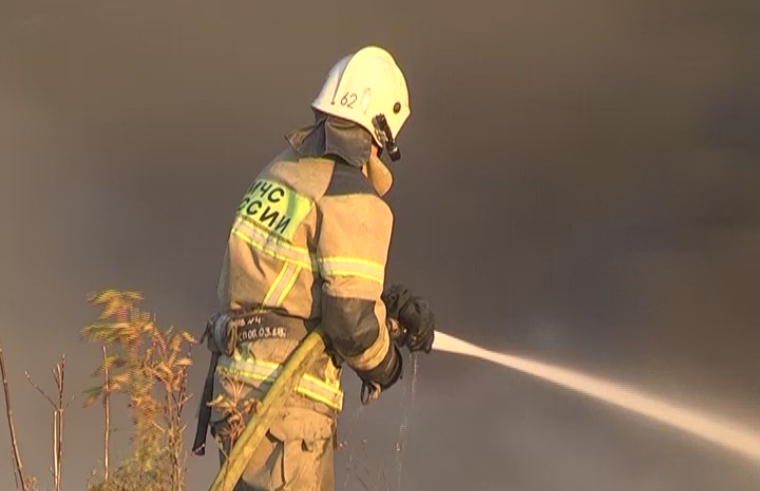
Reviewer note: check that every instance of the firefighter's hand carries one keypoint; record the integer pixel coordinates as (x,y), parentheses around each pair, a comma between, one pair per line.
(414,315)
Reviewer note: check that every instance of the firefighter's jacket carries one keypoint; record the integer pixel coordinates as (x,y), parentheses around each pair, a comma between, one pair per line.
(310,239)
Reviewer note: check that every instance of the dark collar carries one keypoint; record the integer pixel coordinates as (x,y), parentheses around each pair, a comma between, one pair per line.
(333,136)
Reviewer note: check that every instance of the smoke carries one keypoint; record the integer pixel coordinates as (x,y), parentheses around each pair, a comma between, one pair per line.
(579,182)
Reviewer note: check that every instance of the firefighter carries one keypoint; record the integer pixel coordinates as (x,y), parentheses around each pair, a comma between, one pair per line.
(308,247)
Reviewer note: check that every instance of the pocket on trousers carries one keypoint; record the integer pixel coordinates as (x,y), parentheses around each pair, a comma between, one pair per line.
(297,423)
(304,463)
(306,436)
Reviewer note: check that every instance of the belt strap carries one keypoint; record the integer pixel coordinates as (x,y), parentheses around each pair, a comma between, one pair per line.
(250,327)
(204,414)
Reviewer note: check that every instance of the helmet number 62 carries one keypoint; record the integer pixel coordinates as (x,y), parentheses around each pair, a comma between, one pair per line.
(348,99)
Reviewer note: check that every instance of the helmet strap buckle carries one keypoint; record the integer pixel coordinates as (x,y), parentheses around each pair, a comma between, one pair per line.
(385,136)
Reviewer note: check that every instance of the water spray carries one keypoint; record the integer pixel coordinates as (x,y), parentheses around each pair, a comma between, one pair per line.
(708,427)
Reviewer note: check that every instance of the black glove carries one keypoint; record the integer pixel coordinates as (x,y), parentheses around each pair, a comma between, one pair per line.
(414,315)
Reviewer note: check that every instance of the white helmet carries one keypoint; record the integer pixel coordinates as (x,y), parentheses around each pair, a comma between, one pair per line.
(369,89)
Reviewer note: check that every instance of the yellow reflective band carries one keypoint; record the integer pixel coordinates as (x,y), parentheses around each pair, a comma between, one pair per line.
(333,399)
(357,260)
(289,286)
(267,372)
(266,239)
(357,274)
(372,356)
(274,207)
(274,285)
(347,266)
(269,368)
(335,403)
(272,246)
(282,285)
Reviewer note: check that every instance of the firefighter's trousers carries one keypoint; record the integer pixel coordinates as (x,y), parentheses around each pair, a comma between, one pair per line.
(296,455)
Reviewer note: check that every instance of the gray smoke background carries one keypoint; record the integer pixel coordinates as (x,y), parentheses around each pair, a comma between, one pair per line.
(579,183)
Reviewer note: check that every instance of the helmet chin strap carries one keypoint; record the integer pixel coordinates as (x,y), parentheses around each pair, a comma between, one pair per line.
(385,136)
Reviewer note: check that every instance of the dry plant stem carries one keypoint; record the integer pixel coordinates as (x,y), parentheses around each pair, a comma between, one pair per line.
(9,412)
(59,409)
(107,406)
(174,401)
(181,400)
(15,472)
